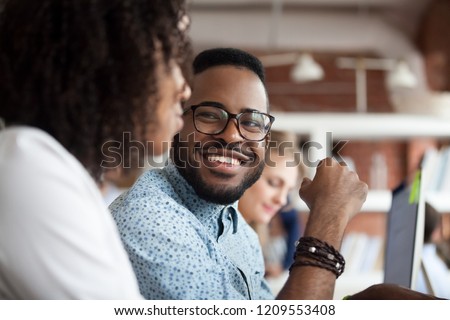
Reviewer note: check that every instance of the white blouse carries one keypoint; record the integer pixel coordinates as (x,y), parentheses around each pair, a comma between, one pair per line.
(58,240)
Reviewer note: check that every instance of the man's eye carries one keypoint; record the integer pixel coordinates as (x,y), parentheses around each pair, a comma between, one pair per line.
(252,125)
(208,116)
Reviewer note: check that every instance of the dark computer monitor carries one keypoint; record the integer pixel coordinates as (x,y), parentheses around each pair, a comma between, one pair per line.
(404,237)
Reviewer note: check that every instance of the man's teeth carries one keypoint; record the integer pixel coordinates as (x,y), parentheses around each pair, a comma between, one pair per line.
(223,159)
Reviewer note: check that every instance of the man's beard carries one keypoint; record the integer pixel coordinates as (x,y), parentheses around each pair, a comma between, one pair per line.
(223,195)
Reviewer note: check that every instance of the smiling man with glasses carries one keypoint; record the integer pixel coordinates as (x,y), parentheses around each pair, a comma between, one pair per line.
(180,225)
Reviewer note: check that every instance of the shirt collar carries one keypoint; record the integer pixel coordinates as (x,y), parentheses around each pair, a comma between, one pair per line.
(205,211)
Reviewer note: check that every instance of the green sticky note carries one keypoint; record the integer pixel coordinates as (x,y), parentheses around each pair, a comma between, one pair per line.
(415,189)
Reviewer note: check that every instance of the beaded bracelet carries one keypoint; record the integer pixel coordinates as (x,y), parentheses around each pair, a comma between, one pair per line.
(314,252)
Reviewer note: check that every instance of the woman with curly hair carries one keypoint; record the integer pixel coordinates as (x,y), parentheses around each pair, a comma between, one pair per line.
(82,83)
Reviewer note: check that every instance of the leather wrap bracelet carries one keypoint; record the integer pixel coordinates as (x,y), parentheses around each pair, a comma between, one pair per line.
(317,253)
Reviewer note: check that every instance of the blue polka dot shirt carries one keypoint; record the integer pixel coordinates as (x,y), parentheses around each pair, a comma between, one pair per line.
(182,247)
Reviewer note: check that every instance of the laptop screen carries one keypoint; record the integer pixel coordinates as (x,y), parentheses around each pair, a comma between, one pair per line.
(404,237)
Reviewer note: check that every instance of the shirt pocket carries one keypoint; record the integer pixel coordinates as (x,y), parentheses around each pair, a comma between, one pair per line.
(253,282)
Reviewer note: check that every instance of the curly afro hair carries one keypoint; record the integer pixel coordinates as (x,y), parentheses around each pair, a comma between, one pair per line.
(85,70)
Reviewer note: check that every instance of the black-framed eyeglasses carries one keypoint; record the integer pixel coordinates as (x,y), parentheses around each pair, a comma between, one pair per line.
(211,120)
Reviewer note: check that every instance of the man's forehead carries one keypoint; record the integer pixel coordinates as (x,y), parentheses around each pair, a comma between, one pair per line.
(230,86)
(235,71)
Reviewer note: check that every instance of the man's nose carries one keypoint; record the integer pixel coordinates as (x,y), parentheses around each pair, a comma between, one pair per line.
(231,132)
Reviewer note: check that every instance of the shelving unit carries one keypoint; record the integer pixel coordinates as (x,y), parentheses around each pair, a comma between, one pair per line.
(377,201)
(326,128)
(364,125)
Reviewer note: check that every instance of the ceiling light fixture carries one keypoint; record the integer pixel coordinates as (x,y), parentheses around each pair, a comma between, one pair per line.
(306,69)
(399,75)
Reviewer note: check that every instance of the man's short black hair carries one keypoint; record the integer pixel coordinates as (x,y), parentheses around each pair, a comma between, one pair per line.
(228,56)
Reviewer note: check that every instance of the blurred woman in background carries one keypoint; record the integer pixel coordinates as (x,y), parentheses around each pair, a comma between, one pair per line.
(265,205)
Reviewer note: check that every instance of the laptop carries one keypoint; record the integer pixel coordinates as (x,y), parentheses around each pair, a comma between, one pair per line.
(404,236)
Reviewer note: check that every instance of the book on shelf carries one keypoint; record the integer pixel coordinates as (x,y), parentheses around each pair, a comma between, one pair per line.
(361,252)
(437,185)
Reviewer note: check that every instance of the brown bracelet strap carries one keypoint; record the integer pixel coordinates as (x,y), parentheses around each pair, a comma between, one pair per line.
(314,252)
